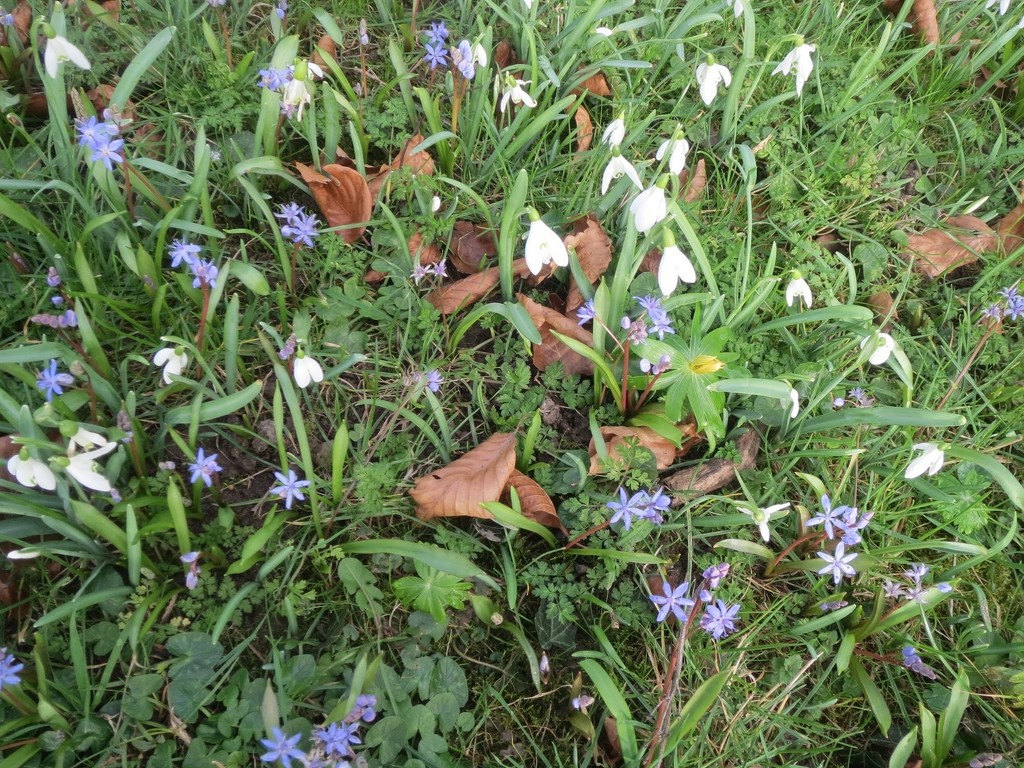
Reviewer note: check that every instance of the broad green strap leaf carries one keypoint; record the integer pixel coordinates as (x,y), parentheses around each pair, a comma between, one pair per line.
(901,755)
(695,708)
(428,554)
(612,698)
(512,519)
(749,547)
(850,314)
(215,409)
(821,622)
(614,554)
(143,61)
(882,416)
(874,696)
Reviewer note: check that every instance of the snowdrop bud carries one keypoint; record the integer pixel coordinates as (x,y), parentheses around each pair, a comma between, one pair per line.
(435,204)
(930,461)
(882,345)
(615,132)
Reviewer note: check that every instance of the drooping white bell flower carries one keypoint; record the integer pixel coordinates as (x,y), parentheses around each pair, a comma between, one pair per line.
(882,345)
(59,50)
(543,246)
(83,467)
(619,166)
(761,516)
(1004,5)
(737,7)
(800,59)
(650,206)
(173,359)
(798,289)
(515,92)
(86,438)
(30,472)
(307,370)
(674,266)
(931,460)
(677,149)
(615,132)
(709,76)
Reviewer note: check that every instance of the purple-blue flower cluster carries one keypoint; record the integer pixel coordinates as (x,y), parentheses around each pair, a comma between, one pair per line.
(434,45)
(857,397)
(916,590)
(644,505)
(1010,308)
(586,313)
(203,271)
(913,662)
(52,382)
(652,319)
(432,380)
(420,271)
(463,59)
(844,524)
(9,669)
(275,79)
(191,559)
(204,467)
(300,226)
(332,742)
(101,139)
(68,319)
(719,617)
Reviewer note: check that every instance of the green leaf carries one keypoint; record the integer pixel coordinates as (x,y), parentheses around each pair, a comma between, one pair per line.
(845,652)
(432,591)
(1010,485)
(845,313)
(820,622)
(695,708)
(617,708)
(882,416)
(428,554)
(251,277)
(508,517)
(749,547)
(874,696)
(949,720)
(901,754)
(143,61)
(215,409)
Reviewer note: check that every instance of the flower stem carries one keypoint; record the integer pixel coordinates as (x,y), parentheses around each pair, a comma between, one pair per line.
(227,37)
(970,361)
(202,316)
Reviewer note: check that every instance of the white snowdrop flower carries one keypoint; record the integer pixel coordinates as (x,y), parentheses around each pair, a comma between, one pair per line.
(650,206)
(737,7)
(930,461)
(59,50)
(435,204)
(762,515)
(173,360)
(674,266)
(604,31)
(677,149)
(87,439)
(516,93)
(882,345)
(543,245)
(800,59)
(83,467)
(794,399)
(30,472)
(1004,5)
(709,76)
(615,132)
(619,166)
(306,370)
(798,289)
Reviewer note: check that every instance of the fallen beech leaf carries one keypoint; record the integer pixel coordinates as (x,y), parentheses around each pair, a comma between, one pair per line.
(692,183)
(415,162)
(584,130)
(595,84)
(325,46)
(535,502)
(22,14)
(957,244)
(593,250)
(469,245)
(469,290)
(422,252)
(474,478)
(504,55)
(1011,229)
(100,96)
(615,438)
(342,196)
(923,18)
(882,304)
(373,276)
(716,473)
(551,350)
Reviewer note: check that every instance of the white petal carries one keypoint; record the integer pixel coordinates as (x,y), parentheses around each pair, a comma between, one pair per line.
(86,438)
(543,246)
(677,160)
(917,467)
(674,266)
(614,133)
(83,469)
(649,208)
(765,531)
(50,59)
(794,398)
(306,370)
(31,473)
(798,288)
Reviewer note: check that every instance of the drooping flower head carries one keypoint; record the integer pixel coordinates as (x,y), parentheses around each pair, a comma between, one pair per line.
(709,77)
(799,59)
(543,246)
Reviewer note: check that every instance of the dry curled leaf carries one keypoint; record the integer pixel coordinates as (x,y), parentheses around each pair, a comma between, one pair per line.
(470,245)
(462,293)
(343,197)
(534,501)
(924,18)
(596,84)
(478,476)
(325,47)
(504,55)
(584,130)
(422,252)
(883,306)
(1011,229)
(418,161)
(22,14)
(551,350)
(593,249)
(615,438)
(957,244)
(692,182)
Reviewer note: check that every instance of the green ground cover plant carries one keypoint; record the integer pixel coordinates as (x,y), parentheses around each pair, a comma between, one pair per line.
(626,383)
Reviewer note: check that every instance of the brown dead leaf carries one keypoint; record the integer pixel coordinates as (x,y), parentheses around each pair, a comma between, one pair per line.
(692,182)
(422,252)
(100,97)
(882,304)
(342,196)
(469,245)
(584,130)
(593,249)
(923,18)
(504,56)
(715,473)
(415,162)
(595,84)
(476,477)
(535,502)
(551,350)
(664,450)
(22,14)
(452,297)
(1011,229)
(325,46)
(957,244)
